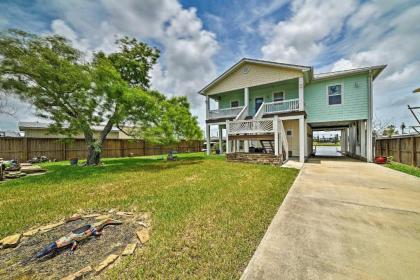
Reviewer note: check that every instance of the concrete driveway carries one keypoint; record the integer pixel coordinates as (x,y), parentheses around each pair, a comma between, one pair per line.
(343,219)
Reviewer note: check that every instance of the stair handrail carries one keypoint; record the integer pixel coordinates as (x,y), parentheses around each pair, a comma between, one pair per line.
(260,111)
(284,139)
(241,115)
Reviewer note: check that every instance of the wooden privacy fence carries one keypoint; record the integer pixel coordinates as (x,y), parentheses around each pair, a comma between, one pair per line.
(404,149)
(24,148)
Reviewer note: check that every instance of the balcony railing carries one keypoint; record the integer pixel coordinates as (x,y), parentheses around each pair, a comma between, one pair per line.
(281,106)
(251,127)
(225,113)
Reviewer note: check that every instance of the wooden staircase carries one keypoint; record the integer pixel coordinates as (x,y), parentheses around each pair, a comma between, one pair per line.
(268,146)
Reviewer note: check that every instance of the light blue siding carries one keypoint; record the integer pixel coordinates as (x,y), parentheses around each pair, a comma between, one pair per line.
(354,100)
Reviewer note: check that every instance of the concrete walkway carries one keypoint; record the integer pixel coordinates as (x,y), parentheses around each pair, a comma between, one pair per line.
(343,219)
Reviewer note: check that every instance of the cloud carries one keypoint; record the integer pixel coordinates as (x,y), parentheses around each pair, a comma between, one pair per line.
(337,35)
(187,49)
(186,62)
(387,34)
(305,35)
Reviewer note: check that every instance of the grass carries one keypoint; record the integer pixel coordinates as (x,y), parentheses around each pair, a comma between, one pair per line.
(412,170)
(208,215)
(326,144)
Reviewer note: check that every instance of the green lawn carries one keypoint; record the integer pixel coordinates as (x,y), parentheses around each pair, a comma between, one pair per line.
(208,215)
(415,171)
(326,144)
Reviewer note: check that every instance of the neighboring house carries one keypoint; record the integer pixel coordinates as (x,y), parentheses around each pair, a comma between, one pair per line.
(40,130)
(9,133)
(273,108)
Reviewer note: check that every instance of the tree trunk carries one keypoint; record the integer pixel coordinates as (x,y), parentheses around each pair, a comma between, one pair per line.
(93,157)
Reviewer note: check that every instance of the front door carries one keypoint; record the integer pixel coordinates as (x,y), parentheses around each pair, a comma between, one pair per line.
(258,102)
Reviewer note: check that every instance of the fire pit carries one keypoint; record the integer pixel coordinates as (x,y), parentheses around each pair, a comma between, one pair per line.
(92,255)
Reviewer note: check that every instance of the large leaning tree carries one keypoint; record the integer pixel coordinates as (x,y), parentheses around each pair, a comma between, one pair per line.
(109,90)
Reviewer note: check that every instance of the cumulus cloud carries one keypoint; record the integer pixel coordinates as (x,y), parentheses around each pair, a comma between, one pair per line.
(387,34)
(302,37)
(338,35)
(187,48)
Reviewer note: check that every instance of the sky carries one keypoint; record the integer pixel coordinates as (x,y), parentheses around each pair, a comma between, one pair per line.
(201,39)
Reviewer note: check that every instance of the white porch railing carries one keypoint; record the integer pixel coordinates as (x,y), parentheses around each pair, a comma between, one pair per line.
(288,105)
(225,113)
(251,127)
(242,114)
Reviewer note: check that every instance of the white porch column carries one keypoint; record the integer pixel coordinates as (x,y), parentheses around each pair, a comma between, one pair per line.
(306,137)
(276,135)
(246,99)
(301,95)
(363,139)
(369,130)
(301,139)
(227,137)
(221,138)
(343,140)
(207,107)
(208,147)
(238,145)
(246,146)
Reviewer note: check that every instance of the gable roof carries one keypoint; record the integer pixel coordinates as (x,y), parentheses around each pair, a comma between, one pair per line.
(376,70)
(259,62)
(307,70)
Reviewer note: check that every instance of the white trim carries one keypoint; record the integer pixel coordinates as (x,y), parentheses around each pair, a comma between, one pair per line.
(208,147)
(302,139)
(341,94)
(370,152)
(254,61)
(278,91)
(335,74)
(301,89)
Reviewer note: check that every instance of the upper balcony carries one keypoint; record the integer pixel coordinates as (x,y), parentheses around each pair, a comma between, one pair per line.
(269,99)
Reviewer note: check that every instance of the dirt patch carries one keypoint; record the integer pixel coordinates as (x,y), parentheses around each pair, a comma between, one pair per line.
(16,263)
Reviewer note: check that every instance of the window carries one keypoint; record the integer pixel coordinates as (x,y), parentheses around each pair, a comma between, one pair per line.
(289,133)
(335,93)
(278,96)
(234,103)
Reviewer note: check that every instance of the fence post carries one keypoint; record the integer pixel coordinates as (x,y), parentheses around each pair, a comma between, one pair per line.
(25,149)
(64,150)
(413,151)
(398,150)
(122,148)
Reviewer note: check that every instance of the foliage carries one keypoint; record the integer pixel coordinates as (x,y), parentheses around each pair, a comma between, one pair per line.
(111,90)
(198,206)
(412,170)
(390,130)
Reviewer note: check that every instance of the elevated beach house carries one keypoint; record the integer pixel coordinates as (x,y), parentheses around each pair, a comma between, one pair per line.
(268,110)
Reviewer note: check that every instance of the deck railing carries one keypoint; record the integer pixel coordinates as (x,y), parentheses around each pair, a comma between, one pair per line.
(281,106)
(251,127)
(225,113)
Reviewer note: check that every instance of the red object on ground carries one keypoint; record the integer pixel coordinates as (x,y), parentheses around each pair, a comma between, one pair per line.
(381,160)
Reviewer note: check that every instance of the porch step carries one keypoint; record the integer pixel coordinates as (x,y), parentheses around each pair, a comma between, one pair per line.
(267,145)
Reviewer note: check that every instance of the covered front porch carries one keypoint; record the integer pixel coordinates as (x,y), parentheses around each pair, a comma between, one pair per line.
(256,140)
(262,100)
